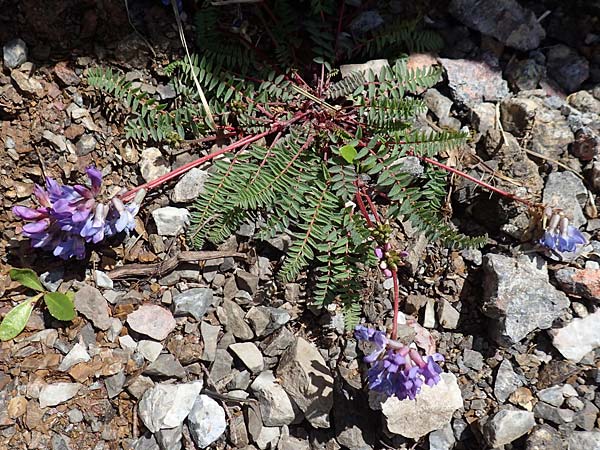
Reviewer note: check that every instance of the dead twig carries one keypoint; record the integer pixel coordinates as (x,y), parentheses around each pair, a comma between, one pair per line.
(166,266)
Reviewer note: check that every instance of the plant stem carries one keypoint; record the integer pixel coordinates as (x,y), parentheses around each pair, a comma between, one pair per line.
(396,304)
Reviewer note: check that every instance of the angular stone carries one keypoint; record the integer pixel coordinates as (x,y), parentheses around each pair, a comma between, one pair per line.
(150,350)
(210,334)
(170,221)
(235,321)
(507,381)
(505,20)
(250,355)
(194,301)
(206,421)
(553,414)
(27,83)
(552,395)
(152,321)
(170,438)
(431,410)
(473,359)
(14,53)
(578,338)
(57,393)
(76,355)
(584,440)
(246,281)
(304,375)
(167,405)
(567,67)
(583,282)
(221,367)
(564,190)
(190,186)
(442,439)
(90,302)
(166,365)
(544,437)
(506,426)
(153,164)
(114,384)
(275,405)
(518,295)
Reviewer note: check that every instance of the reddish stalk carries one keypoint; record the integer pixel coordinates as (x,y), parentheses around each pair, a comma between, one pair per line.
(371,205)
(396,304)
(363,209)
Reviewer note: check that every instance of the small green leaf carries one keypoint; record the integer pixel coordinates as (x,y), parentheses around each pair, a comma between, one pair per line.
(16,319)
(348,152)
(60,305)
(27,277)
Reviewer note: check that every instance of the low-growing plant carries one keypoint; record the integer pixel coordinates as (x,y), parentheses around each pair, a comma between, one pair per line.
(59,305)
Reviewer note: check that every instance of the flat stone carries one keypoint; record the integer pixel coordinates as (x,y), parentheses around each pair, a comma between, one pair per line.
(473,359)
(304,375)
(552,395)
(584,440)
(567,67)
(564,190)
(165,365)
(275,405)
(250,355)
(519,296)
(57,393)
(150,350)
(190,186)
(76,355)
(507,381)
(90,302)
(544,437)
(14,53)
(507,426)
(582,282)
(578,338)
(170,438)
(505,20)
(27,84)
(221,367)
(235,321)
(442,439)
(139,386)
(194,301)
(259,319)
(553,414)
(246,281)
(167,405)
(152,321)
(128,343)
(86,145)
(153,164)
(210,334)
(170,221)
(206,421)
(114,384)
(431,410)
(279,342)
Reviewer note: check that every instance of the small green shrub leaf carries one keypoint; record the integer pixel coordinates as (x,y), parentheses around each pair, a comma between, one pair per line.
(348,152)
(27,277)
(60,305)
(16,319)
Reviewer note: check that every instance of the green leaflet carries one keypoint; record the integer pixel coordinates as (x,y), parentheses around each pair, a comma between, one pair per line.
(60,305)
(14,322)
(27,277)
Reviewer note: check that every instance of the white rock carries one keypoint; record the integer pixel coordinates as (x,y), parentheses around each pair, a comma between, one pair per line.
(57,393)
(127,343)
(578,338)
(431,410)
(170,221)
(376,65)
(250,355)
(149,349)
(167,405)
(103,280)
(275,405)
(76,355)
(14,53)
(507,426)
(206,421)
(153,164)
(190,186)
(268,438)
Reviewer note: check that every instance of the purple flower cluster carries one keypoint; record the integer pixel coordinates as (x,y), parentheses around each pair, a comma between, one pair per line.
(70,216)
(559,235)
(397,369)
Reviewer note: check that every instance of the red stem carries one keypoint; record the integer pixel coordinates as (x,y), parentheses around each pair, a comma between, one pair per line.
(363,209)
(371,206)
(396,304)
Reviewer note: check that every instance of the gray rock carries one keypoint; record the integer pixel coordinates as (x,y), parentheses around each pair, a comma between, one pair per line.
(170,221)
(586,145)
(166,92)
(235,321)
(584,440)
(442,439)
(552,395)
(565,191)
(14,53)
(586,417)
(166,365)
(518,295)
(578,338)
(544,437)
(259,318)
(553,414)
(567,67)
(91,304)
(210,334)
(152,321)
(153,164)
(472,82)
(507,381)
(170,438)
(505,20)
(526,74)
(221,367)
(440,106)
(431,410)
(76,355)
(278,343)
(275,405)
(53,279)
(293,443)
(473,359)
(246,281)
(150,350)
(194,301)
(57,393)
(206,421)
(483,116)
(114,384)
(584,102)
(582,282)
(60,442)
(551,133)
(102,280)
(86,145)
(304,375)
(506,426)
(75,415)
(429,317)
(517,115)
(167,405)
(250,355)
(190,186)
(146,442)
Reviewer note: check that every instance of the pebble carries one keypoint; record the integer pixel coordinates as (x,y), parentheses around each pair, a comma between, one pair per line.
(14,53)
(153,164)
(473,359)
(567,67)
(544,437)
(170,221)
(564,190)
(152,321)
(194,301)
(275,405)
(114,384)
(507,381)
(553,414)
(552,395)
(102,280)
(128,343)
(210,334)
(304,375)
(76,355)
(90,302)
(190,186)
(250,355)
(86,145)
(442,439)
(149,349)
(206,421)
(431,410)
(235,321)
(165,365)
(582,282)
(578,338)
(167,405)
(75,415)
(506,426)
(57,393)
